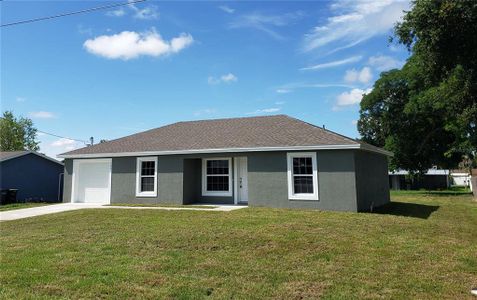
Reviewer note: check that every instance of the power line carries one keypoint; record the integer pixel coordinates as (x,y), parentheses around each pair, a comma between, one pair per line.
(63,137)
(71,13)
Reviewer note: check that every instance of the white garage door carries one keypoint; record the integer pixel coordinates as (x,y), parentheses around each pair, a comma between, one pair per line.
(91,181)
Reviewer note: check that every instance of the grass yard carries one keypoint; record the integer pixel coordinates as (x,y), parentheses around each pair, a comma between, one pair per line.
(13,206)
(421,246)
(164,205)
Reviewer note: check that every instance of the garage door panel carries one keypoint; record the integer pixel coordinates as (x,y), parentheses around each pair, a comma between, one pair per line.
(92,181)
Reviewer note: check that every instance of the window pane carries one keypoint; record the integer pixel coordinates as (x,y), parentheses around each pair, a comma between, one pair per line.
(303,184)
(302,166)
(147,184)
(217,167)
(218,183)
(147,168)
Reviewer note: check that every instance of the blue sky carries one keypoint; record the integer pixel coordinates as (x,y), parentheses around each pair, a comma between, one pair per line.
(115,72)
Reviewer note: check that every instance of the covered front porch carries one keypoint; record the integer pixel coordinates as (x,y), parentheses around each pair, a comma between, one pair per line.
(216,180)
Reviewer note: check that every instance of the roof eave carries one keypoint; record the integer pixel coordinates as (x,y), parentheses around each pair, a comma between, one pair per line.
(370,148)
(230,150)
(35,153)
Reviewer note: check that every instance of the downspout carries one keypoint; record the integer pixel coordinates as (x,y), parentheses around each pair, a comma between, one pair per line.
(59,185)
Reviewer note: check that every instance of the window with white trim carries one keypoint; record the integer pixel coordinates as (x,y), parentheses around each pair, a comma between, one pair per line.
(216,177)
(302,176)
(146,177)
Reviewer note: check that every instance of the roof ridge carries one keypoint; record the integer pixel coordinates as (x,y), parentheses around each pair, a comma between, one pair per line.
(234,118)
(183,122)
(324,129)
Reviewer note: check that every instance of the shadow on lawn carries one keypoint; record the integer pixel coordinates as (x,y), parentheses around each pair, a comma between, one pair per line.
(404,209)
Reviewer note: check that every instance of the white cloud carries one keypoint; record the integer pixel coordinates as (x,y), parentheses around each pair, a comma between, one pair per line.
(84,30)
(354,22)
(265,111)
(266,23)
(205,111)
(145,13)
(63,142)
(350,98)
(58,146)
(396,47)
(227,9)
(227,78)
(283,91)
(335,63)
(20,99)
(213,80)
(129,44)
(280,102)
(354,122)
(290,87)
(116,13)
(42,115)
(363,76)
(384,63)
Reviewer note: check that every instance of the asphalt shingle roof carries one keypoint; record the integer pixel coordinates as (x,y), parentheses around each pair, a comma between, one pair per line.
(6,155)
(236,133)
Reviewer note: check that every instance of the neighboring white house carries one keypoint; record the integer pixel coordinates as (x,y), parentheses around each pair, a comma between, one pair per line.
(460,178)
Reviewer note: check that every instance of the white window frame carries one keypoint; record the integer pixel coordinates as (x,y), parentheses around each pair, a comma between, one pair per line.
(302,196)
(139,161)
(205,192)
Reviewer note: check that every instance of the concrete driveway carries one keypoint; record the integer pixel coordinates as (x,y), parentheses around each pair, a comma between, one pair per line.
(56,208)
(43,210)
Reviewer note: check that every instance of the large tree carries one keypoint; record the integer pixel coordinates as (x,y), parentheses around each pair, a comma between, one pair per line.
(426,113)
(17,133)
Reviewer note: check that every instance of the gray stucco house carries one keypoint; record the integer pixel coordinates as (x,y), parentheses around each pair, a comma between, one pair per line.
(274,161)
(37,177)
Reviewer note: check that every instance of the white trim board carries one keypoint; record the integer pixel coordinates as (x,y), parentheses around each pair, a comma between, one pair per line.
(364,147)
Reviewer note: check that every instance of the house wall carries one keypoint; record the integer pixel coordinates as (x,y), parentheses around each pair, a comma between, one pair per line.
(169,176)
(268,183)
(372,181)
(180,176)
(123,181)
(36,178)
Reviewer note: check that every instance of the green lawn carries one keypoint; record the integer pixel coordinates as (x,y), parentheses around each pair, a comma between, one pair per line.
(164,205)
(21,205)
(421,246)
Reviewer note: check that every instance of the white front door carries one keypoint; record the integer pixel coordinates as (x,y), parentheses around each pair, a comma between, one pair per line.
(241,180)
(91,181)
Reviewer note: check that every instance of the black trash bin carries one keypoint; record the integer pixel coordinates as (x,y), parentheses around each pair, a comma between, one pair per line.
(12,195)
(8,196)
(4,197)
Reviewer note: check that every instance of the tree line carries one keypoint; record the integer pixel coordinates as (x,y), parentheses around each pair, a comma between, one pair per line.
(426,112)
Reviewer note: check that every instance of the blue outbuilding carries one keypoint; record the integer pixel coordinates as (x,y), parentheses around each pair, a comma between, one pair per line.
(34,176)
